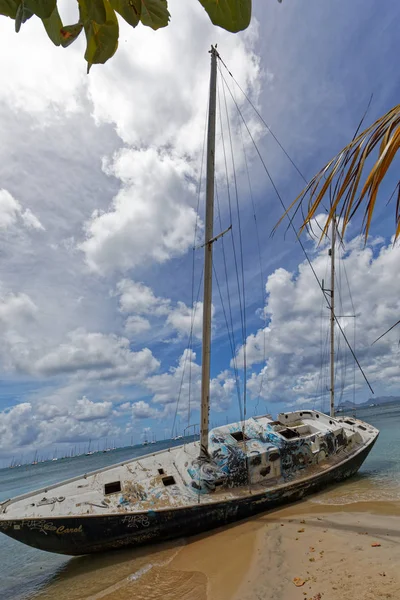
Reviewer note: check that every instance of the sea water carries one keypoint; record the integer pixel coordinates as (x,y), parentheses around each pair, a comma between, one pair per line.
(379,477)
(26,572)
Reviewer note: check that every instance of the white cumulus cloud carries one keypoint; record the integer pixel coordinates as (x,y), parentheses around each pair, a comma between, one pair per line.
(143,410)
(11,211)
(149,220)
(184,318)
(182,385)
(99,356)
(135,297)
(293,343)
(135,325)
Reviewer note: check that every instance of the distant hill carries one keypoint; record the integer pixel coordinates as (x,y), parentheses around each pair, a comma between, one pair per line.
(371,402)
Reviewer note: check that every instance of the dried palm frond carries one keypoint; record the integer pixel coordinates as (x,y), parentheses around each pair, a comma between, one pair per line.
(342,176)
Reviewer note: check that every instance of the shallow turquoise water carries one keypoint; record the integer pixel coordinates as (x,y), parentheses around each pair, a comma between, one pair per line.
(379,477)
(25,570)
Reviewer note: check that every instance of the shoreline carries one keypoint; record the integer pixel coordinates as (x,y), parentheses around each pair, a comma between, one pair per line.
(255,559)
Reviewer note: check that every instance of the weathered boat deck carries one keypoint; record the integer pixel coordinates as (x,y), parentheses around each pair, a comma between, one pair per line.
(164,480)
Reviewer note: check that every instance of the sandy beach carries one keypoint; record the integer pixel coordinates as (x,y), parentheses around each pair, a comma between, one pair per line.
(330,556)
(305,551)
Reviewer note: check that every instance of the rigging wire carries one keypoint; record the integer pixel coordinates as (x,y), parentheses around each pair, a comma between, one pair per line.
(383,334)
(231,331)
(296,234)
(339,309)
(190,348)
(342,269)
(231,334)
(187,354)
(189,345)
(259,261)
(270,130)
(321,382)
(263,121)
(343,261)
(354,366)
(232,237)
(341,363)
(323,372)
(230,341)
(242,297)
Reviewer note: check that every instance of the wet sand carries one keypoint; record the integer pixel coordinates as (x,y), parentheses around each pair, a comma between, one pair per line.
(335,552)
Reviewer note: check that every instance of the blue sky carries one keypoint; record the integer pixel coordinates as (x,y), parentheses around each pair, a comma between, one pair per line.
(98,203)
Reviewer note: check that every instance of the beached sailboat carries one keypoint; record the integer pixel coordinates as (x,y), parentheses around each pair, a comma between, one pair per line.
(232,472)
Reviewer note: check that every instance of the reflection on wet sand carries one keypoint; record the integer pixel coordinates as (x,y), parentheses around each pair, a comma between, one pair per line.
(180,569)
(256,558)
(87,576)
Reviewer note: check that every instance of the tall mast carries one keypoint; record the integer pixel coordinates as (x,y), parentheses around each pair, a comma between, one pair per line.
(332,253)
(207,297)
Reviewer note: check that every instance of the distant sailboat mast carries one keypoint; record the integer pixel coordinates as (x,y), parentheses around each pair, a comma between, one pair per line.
(208,243)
